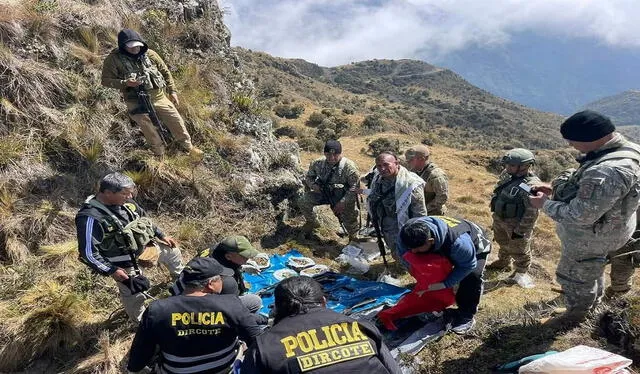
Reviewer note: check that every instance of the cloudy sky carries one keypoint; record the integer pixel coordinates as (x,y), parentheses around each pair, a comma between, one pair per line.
(335,32)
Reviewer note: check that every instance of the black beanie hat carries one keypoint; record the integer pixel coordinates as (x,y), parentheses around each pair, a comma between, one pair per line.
(332,146)
(586,126)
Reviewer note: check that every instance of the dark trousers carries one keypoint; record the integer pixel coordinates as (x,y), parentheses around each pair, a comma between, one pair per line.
(470,290)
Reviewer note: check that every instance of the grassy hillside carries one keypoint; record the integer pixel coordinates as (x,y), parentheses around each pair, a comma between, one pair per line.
(621,108)
(61,131)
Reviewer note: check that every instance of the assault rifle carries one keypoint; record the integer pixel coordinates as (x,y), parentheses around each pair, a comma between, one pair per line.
(146,107)
(326,193)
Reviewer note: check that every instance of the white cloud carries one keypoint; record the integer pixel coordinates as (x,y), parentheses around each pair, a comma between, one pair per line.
(337,32)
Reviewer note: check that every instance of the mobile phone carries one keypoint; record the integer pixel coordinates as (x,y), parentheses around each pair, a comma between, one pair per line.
(526,188)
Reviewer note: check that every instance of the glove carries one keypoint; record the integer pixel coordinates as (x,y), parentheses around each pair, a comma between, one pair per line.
(137,284)
(515,235)
(436,286)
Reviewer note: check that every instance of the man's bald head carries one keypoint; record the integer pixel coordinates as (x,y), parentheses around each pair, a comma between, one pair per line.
(387,165)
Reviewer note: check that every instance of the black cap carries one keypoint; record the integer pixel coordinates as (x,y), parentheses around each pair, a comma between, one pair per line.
(203,268)
(586,126)
(332,146)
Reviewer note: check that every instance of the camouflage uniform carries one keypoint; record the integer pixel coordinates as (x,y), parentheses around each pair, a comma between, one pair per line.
(436,189)
(338,179)
(623,267)
(513,221)
(595,210)
(119,66)
(382,203)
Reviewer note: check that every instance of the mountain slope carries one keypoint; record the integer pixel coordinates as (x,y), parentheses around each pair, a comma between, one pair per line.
(413,96)
(623,108)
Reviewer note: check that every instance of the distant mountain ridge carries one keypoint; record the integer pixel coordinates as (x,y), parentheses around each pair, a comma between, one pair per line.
(623,108)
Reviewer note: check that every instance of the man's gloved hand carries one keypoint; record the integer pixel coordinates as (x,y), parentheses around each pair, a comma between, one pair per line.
(137,284)
(250,268)
(515,235)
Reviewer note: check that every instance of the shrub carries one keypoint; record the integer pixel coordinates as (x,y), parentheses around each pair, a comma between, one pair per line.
(286,131)
(289,111)
(373,123)
(327,134)
(384,144)
(310,144)
(315,119)
(242,102)
(348,110)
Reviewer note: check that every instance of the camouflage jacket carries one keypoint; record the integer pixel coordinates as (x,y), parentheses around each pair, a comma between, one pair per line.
(118,67)
(339,179)
(604,207)
(510,204)
(436,188)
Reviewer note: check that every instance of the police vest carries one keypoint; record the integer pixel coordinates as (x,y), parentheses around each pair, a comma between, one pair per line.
(120,240)
(508,200)
(142,67)
(457,227)
(321,341)
(565,187)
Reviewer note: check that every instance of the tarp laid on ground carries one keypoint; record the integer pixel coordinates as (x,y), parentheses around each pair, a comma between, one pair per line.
(344,294)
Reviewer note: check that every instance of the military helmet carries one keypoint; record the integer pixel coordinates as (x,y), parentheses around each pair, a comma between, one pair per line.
(518,156)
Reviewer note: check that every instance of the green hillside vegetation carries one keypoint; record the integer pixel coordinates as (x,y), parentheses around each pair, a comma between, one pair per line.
(623,108)
(61,131)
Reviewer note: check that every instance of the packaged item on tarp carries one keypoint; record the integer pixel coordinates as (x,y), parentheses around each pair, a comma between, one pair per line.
(578,360)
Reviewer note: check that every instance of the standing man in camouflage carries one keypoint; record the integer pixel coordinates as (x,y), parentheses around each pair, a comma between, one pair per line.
(332,180)
(594,208)
(436,187)
(513,215)
(396,195)
(132,67)
(624,262)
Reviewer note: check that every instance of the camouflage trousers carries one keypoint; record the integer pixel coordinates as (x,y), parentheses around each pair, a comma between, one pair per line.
(349,215)
(622,269)
(169,116)
(582,281)
(518,249)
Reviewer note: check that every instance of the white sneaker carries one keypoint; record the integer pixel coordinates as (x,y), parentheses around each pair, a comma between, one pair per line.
(524,280)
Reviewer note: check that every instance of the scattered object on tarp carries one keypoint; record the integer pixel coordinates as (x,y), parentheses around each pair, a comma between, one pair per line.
(353,256)
(426,268)
(342,291)
(315,270)
(413,333)
(513,366)
(578,360)
(298,263)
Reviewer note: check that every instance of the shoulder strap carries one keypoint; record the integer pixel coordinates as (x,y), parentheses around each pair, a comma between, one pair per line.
(92,201)
(622,152)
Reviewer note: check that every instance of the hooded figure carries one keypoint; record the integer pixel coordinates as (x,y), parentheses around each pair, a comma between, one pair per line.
(134,68)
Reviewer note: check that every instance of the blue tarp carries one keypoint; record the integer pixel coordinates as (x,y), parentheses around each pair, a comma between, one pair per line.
(342,291)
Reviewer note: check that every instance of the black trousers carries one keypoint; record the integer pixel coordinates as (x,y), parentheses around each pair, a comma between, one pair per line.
(470,290)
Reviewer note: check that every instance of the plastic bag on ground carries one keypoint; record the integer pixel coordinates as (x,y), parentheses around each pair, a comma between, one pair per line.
(524,280)
(426,269)
(578,360)
(352,256)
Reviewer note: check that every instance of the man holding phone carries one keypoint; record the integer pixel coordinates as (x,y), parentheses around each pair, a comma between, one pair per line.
(513,215)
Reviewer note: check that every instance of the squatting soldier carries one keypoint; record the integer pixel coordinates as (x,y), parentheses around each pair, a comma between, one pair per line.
(513,215)
(133,66)
(196,332)
(396,195)
(113,230)
(309,338)
(332,180)
(594,207)
(436,187)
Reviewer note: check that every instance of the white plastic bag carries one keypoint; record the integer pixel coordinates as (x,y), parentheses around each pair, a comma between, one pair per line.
(578,360)
(353,256)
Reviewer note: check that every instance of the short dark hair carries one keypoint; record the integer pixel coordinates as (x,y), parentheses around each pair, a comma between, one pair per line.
(115,182)
(201,283)
(387,153)
(296,295)
(415,233)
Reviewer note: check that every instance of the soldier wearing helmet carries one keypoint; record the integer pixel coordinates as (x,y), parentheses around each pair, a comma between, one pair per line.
(513,215)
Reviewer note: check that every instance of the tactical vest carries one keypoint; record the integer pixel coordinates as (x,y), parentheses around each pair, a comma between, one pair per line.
(321,341)
(457,227)
(425,174)
(143,67)
(120,240)
(508,201)
(565,187)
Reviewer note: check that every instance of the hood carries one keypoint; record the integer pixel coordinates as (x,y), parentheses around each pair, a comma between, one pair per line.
(439,229)
(128,35)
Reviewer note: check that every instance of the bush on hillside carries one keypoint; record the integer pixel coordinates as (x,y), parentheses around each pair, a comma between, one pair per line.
(315,119)
(286,131)
(373,123)
(310,144)
(380,145)
(289,111)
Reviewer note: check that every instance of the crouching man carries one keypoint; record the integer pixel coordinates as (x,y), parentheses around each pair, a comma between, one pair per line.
(197,331)
(464,244)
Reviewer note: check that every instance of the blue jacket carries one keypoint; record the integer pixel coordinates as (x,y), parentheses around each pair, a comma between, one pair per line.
(462,253)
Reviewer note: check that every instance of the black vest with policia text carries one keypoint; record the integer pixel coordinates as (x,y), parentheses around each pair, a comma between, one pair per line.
(321,341)
(457,227)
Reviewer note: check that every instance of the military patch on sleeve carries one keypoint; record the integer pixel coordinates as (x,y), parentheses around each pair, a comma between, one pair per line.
(588,188)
